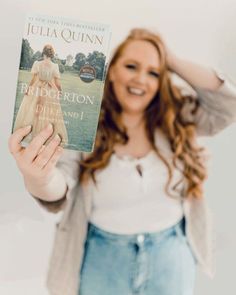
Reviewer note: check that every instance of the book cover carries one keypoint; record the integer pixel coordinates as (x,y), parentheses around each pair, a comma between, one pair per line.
(61,79)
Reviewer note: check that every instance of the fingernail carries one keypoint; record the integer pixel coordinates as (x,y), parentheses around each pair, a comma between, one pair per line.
(59,149)
(57,138)
(28,128)
(49,127)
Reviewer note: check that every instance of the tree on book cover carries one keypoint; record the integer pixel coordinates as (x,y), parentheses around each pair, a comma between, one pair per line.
(61,79)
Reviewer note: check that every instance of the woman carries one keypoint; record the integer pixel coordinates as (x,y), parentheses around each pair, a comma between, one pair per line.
(137,221)
(41,103)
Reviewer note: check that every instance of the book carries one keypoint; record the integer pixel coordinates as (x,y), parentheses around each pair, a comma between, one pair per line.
(61,79)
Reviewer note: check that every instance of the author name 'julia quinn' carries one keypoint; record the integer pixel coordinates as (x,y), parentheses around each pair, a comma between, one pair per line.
(66,34)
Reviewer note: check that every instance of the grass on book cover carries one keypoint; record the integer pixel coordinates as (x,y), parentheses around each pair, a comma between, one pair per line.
(61,79)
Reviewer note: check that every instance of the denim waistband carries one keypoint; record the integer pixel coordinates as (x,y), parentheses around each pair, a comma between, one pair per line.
(178,228)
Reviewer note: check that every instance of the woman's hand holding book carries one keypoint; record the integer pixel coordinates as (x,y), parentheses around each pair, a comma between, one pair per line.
(37,163)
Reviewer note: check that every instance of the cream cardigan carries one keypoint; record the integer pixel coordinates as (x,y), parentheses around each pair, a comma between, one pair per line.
(217,111)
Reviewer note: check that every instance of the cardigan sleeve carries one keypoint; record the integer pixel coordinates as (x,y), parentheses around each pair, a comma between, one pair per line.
(68,165)
(216,109)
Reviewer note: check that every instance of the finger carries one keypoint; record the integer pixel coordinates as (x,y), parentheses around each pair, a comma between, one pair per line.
(36,144)
(47,152)
(16,138)
(42,148)
(53,160)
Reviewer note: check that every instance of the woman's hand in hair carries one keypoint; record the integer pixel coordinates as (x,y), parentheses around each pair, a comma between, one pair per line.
(193,73)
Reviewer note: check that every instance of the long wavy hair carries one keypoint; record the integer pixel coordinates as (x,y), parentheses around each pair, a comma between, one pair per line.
(165,112)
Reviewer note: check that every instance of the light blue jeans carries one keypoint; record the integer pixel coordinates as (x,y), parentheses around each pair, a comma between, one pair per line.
(159,263)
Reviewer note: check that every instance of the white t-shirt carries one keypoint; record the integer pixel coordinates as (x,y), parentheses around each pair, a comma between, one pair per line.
(128,201)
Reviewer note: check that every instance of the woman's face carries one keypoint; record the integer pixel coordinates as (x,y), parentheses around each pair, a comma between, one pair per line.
(135,76)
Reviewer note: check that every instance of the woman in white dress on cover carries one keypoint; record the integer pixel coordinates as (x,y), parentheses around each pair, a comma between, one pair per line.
(41,102)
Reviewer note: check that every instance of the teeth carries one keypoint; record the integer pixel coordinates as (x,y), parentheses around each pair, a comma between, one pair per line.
(136,91)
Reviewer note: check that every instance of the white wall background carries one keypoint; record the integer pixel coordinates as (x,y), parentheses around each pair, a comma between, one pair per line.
(203,31)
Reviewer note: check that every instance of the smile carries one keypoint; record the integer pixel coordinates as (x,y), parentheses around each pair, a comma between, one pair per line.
(136,91)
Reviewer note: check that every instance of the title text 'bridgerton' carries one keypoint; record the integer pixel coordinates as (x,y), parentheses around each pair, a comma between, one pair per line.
(71,97)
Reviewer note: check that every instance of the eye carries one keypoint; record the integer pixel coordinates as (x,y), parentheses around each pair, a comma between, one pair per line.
(154,74)
(131,66)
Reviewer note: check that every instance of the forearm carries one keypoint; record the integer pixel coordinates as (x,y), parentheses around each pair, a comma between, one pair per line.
(30,84)
(58,84)
(52,190)
(194,74)
(59,87)
(32,80)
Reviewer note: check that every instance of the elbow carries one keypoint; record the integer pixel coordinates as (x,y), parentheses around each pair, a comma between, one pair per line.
(52,206)
(213,126)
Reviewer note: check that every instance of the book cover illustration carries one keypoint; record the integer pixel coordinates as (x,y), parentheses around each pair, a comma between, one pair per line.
(61,79)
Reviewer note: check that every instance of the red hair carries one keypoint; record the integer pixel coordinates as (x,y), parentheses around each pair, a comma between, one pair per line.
(163,112)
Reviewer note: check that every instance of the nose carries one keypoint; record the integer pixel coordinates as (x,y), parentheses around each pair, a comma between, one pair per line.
(141,77)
